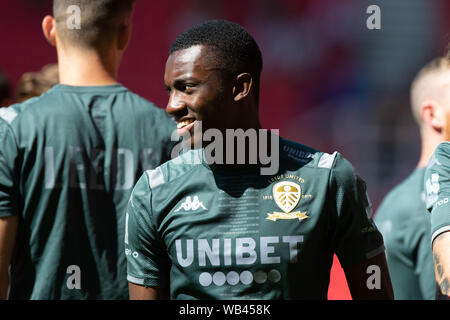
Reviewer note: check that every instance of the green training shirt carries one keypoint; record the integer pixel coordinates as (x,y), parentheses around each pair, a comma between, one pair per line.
(216,233)
(437,184)
(67,167)
(404,222)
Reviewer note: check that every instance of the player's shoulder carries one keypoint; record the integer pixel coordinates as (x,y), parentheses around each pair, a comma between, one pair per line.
(437,174)
(5,128)
(443,148)
(405,200)
(333,163)
(440,160)
(12,113)
(176,168)
(41,106)
(304,155)
(9,114)
(144,109)
(411,185)
(143,103)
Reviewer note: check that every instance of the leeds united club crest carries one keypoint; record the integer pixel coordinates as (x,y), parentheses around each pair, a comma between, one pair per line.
(287,196)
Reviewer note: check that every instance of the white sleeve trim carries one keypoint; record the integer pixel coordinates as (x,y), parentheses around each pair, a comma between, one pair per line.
(438,232)
(135,280)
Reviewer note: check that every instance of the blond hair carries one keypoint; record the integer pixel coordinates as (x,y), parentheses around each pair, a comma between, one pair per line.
(427,83)
(33,84)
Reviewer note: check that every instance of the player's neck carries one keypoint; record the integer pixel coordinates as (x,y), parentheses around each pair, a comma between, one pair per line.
(87,68)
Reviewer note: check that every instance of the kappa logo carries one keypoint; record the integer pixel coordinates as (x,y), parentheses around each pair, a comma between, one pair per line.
(287,196)
(191,205)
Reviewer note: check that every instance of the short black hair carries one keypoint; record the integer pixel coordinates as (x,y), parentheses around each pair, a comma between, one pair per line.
(237,50)
(100,19)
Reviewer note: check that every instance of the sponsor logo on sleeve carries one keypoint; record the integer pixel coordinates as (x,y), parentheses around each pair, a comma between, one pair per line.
(432,189)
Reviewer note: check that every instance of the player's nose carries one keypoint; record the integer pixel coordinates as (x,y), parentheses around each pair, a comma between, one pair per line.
(176,107)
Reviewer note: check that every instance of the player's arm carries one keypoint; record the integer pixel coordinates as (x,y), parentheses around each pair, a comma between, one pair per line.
(370,280)
(437,185)
(423,254)
(8,203)
(358,243)
(8,229)
(441,254)
(147,260)
(138,292)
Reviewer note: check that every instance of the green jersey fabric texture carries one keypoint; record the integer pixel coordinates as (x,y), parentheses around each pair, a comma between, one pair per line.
(68,162)
(404,222)
(437,183)
(221,233)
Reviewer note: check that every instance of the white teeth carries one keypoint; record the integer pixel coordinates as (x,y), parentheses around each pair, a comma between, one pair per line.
(183,123)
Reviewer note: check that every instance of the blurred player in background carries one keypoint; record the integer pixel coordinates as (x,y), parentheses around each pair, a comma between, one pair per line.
(5,91)
(69,159)
(402,216)
(209,230)
(437,184)
(33,84)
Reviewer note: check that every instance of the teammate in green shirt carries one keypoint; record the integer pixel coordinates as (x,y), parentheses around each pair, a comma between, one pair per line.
(404,222)
(207,226)
(69,159)
(437,184)
(402,217)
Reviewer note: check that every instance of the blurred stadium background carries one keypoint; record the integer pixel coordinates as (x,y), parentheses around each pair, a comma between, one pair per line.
(327,82)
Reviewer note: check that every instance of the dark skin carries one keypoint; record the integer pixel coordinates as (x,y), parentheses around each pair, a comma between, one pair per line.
(197,92)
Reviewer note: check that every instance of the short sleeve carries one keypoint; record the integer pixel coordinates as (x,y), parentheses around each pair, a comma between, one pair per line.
(9,194)
(437,186)
(147,261)
(424,264)
(356,237)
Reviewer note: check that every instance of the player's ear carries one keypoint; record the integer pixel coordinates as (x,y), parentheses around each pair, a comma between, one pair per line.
(433,115)
(124,37)
(125,30)
(243,86)
(49,29)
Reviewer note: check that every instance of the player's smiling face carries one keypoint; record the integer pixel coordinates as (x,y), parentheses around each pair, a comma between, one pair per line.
(196,91)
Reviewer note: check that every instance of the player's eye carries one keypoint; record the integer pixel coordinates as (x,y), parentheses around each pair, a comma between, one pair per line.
(185,87)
